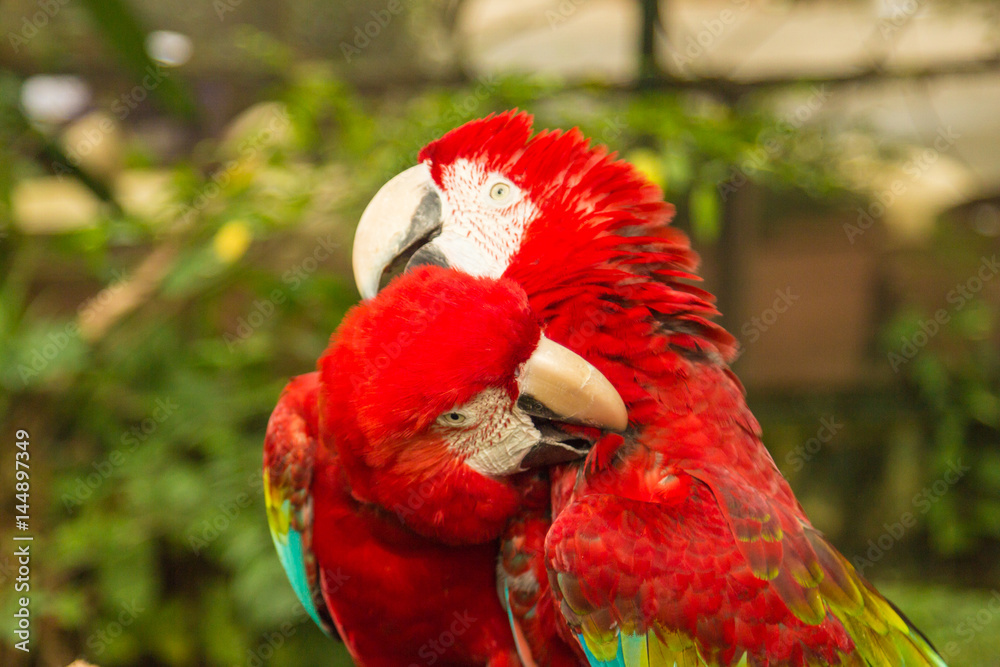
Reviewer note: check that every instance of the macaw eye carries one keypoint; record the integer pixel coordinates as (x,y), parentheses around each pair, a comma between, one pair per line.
(452,418)
(499,191)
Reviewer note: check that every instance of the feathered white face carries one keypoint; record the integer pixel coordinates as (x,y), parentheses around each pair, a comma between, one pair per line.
(490,432)
(485,216)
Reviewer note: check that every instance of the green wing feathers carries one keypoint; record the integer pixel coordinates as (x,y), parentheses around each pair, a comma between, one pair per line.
(289,448)
(812,578)
(644,587)
(881,633)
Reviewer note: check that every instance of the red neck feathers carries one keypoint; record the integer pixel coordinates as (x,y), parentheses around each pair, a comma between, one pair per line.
(431,341)
(600,263)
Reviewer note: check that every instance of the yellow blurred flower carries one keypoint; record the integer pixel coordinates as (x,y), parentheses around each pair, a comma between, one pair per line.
(231,241)
(649,163)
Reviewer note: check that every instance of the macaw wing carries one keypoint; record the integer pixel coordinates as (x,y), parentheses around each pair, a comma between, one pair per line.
(810,576)
(645,584)
(524,590)
(289,448)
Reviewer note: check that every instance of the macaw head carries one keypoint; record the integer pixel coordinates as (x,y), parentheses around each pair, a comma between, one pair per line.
(476,191)
(440,390)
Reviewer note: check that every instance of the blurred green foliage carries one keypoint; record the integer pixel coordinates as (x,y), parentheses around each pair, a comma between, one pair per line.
(956,386)
(144,352)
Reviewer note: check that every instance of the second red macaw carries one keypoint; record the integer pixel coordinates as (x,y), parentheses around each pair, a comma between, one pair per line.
(679,543)
(391,472)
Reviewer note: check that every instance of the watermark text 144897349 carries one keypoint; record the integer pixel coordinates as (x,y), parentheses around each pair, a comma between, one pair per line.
(22,549)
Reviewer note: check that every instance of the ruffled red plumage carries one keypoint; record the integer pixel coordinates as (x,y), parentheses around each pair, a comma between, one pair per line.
(690,528)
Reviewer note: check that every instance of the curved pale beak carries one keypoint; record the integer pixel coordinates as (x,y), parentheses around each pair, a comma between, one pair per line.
(559,385)
(395,228)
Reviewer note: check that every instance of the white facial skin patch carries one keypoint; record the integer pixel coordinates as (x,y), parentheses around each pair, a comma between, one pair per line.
(486,217)
(490,432)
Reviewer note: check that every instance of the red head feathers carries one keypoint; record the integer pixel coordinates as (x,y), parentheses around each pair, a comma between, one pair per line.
(433,386)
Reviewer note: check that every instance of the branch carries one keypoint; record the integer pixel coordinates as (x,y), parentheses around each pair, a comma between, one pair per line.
(872,74)
(649,68)
(132,293)
(718,85)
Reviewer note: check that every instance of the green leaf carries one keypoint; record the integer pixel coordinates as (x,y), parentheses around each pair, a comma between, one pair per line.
(706,214)
(193,272)
(677,169)
(984,406)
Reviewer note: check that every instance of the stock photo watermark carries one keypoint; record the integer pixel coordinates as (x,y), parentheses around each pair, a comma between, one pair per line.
(974,624)
(914,169)
(364,34)
(435,649)
(759,324)
(31,25)
(99,640)
(773,141)
(85,486)
(247,149)
(922,503)
(562,11)
(264,309)
(959,297)
(802,454)
(709,32)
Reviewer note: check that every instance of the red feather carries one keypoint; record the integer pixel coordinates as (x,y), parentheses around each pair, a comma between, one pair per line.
(395,597)
(688,526)
(405,537)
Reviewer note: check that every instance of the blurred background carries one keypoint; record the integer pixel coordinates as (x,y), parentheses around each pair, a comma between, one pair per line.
(179,183)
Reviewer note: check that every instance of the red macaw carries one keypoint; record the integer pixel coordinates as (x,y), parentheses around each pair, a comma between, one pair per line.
(391,472)
(681,543)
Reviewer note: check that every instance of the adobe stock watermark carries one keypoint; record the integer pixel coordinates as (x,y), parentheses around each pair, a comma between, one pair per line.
(914,169)
(30,26)
(922,503)
(773,141)
(467,105)
(121,107)
(612,128)
(90,308)
(973,624)
(802,454)
(270,642)
(562,11)
(898,14)
(265,308)
(759,324)
(85,486)
(39,358)
(42,355)
(959,297)
(434,650)
(209,530)
(436,125)
(99,640)
(223,7)
(246,150)
(364,35)
(130,100)
(695,45)
(389,352)
(261,655)
(456,115)
(414,501)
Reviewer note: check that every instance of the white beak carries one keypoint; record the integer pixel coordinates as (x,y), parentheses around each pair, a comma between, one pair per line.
(404,215)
